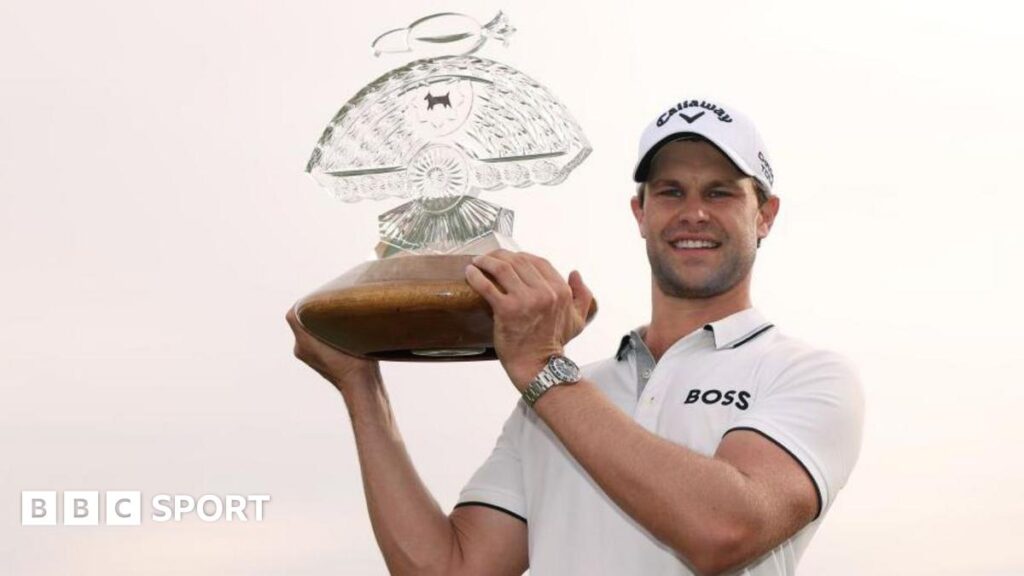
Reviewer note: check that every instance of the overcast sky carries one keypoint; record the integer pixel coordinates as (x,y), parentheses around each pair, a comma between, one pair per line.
(156,223)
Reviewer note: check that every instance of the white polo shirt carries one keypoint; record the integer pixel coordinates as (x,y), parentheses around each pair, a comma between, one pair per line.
(737,373)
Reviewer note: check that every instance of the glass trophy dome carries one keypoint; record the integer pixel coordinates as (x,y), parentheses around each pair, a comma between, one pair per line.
(438,131)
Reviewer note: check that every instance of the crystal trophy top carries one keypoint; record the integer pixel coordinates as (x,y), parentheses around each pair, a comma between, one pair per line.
(437,131)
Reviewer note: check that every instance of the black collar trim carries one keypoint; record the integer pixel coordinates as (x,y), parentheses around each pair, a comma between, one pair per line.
(753,335)
(627,342)
(624,345)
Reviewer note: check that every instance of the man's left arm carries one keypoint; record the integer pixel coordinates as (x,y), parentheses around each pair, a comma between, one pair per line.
(717,512)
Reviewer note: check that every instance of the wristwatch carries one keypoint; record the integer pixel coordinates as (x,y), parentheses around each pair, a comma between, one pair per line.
(559,370)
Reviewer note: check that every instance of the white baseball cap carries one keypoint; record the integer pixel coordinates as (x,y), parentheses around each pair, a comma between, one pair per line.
(725,127)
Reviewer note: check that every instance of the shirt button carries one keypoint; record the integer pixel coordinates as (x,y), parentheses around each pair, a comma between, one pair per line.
(650,400)
(645,374)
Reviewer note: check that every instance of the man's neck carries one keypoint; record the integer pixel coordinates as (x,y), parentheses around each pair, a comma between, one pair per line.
(672,318)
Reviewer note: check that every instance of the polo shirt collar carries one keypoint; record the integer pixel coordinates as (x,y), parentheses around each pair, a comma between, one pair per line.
(729,332)
(633,342)
(738,328)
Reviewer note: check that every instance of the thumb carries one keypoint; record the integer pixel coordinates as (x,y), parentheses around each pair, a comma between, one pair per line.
(582,298)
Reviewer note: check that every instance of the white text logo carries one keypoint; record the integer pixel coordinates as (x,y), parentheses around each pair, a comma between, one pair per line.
(124,508)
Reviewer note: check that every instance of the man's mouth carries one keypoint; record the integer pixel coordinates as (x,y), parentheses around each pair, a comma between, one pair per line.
(695,244)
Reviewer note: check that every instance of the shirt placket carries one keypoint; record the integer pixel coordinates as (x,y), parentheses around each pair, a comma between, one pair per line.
(646,411)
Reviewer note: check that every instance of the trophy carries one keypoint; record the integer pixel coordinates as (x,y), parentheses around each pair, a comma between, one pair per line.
(434,133)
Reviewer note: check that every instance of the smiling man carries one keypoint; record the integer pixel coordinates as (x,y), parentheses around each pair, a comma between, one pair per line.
(710,442)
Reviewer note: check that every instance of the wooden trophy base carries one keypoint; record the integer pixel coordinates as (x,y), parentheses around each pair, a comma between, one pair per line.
(412,308)
(416,308)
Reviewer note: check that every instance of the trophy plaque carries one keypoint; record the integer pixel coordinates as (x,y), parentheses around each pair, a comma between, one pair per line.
(434,133)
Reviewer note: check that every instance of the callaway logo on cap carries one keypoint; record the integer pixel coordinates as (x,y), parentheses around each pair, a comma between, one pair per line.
(725,127)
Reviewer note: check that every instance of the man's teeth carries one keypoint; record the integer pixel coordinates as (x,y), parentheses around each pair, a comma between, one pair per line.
(695,244)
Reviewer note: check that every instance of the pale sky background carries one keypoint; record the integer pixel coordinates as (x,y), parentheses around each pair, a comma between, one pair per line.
(156,223)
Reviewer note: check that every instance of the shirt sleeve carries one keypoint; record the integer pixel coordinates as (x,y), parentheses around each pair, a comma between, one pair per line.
(498,483)
(814,410)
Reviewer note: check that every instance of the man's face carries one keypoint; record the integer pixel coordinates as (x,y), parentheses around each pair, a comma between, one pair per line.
(701,220)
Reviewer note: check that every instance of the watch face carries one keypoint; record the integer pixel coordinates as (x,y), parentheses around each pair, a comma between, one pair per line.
(564,369)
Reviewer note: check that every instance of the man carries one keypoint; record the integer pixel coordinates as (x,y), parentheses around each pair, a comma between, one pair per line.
(711,442)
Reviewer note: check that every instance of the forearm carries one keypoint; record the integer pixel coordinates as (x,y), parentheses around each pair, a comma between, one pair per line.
(697,505)
(414,535)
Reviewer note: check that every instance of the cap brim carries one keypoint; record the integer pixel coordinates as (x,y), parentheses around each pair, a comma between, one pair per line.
(644,165)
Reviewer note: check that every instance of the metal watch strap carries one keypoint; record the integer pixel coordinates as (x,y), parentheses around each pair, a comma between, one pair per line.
(541,384)
(558,370)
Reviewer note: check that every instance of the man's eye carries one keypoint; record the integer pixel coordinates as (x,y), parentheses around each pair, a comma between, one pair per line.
(670,192)
(719,193)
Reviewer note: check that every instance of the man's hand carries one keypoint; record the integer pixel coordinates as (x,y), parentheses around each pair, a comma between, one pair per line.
(536,312)
(337,367)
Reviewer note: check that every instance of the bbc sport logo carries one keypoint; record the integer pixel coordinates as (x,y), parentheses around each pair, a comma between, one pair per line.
(124,507)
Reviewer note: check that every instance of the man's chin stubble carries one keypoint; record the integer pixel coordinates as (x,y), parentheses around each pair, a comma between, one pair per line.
(673,286)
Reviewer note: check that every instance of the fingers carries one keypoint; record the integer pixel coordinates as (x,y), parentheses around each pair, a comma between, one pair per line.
(299,332)
(484,286)
(307,344)
(293,319)
(525,278)
(553,279)
(525,267)
(500,269)
(508,269)
(296,325)
(582,297)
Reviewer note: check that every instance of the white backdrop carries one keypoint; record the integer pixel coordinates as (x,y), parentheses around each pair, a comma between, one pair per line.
(156,223)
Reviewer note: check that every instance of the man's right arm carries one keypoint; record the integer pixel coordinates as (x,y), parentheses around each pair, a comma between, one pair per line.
(414,535)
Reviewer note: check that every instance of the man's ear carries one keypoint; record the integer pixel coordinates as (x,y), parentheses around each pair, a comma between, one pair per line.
(638,213)
(766,216)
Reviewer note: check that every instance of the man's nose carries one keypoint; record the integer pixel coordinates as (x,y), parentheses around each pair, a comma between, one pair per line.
(693,211)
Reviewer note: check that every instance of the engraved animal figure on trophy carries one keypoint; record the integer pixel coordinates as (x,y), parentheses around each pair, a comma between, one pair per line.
(437,100)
